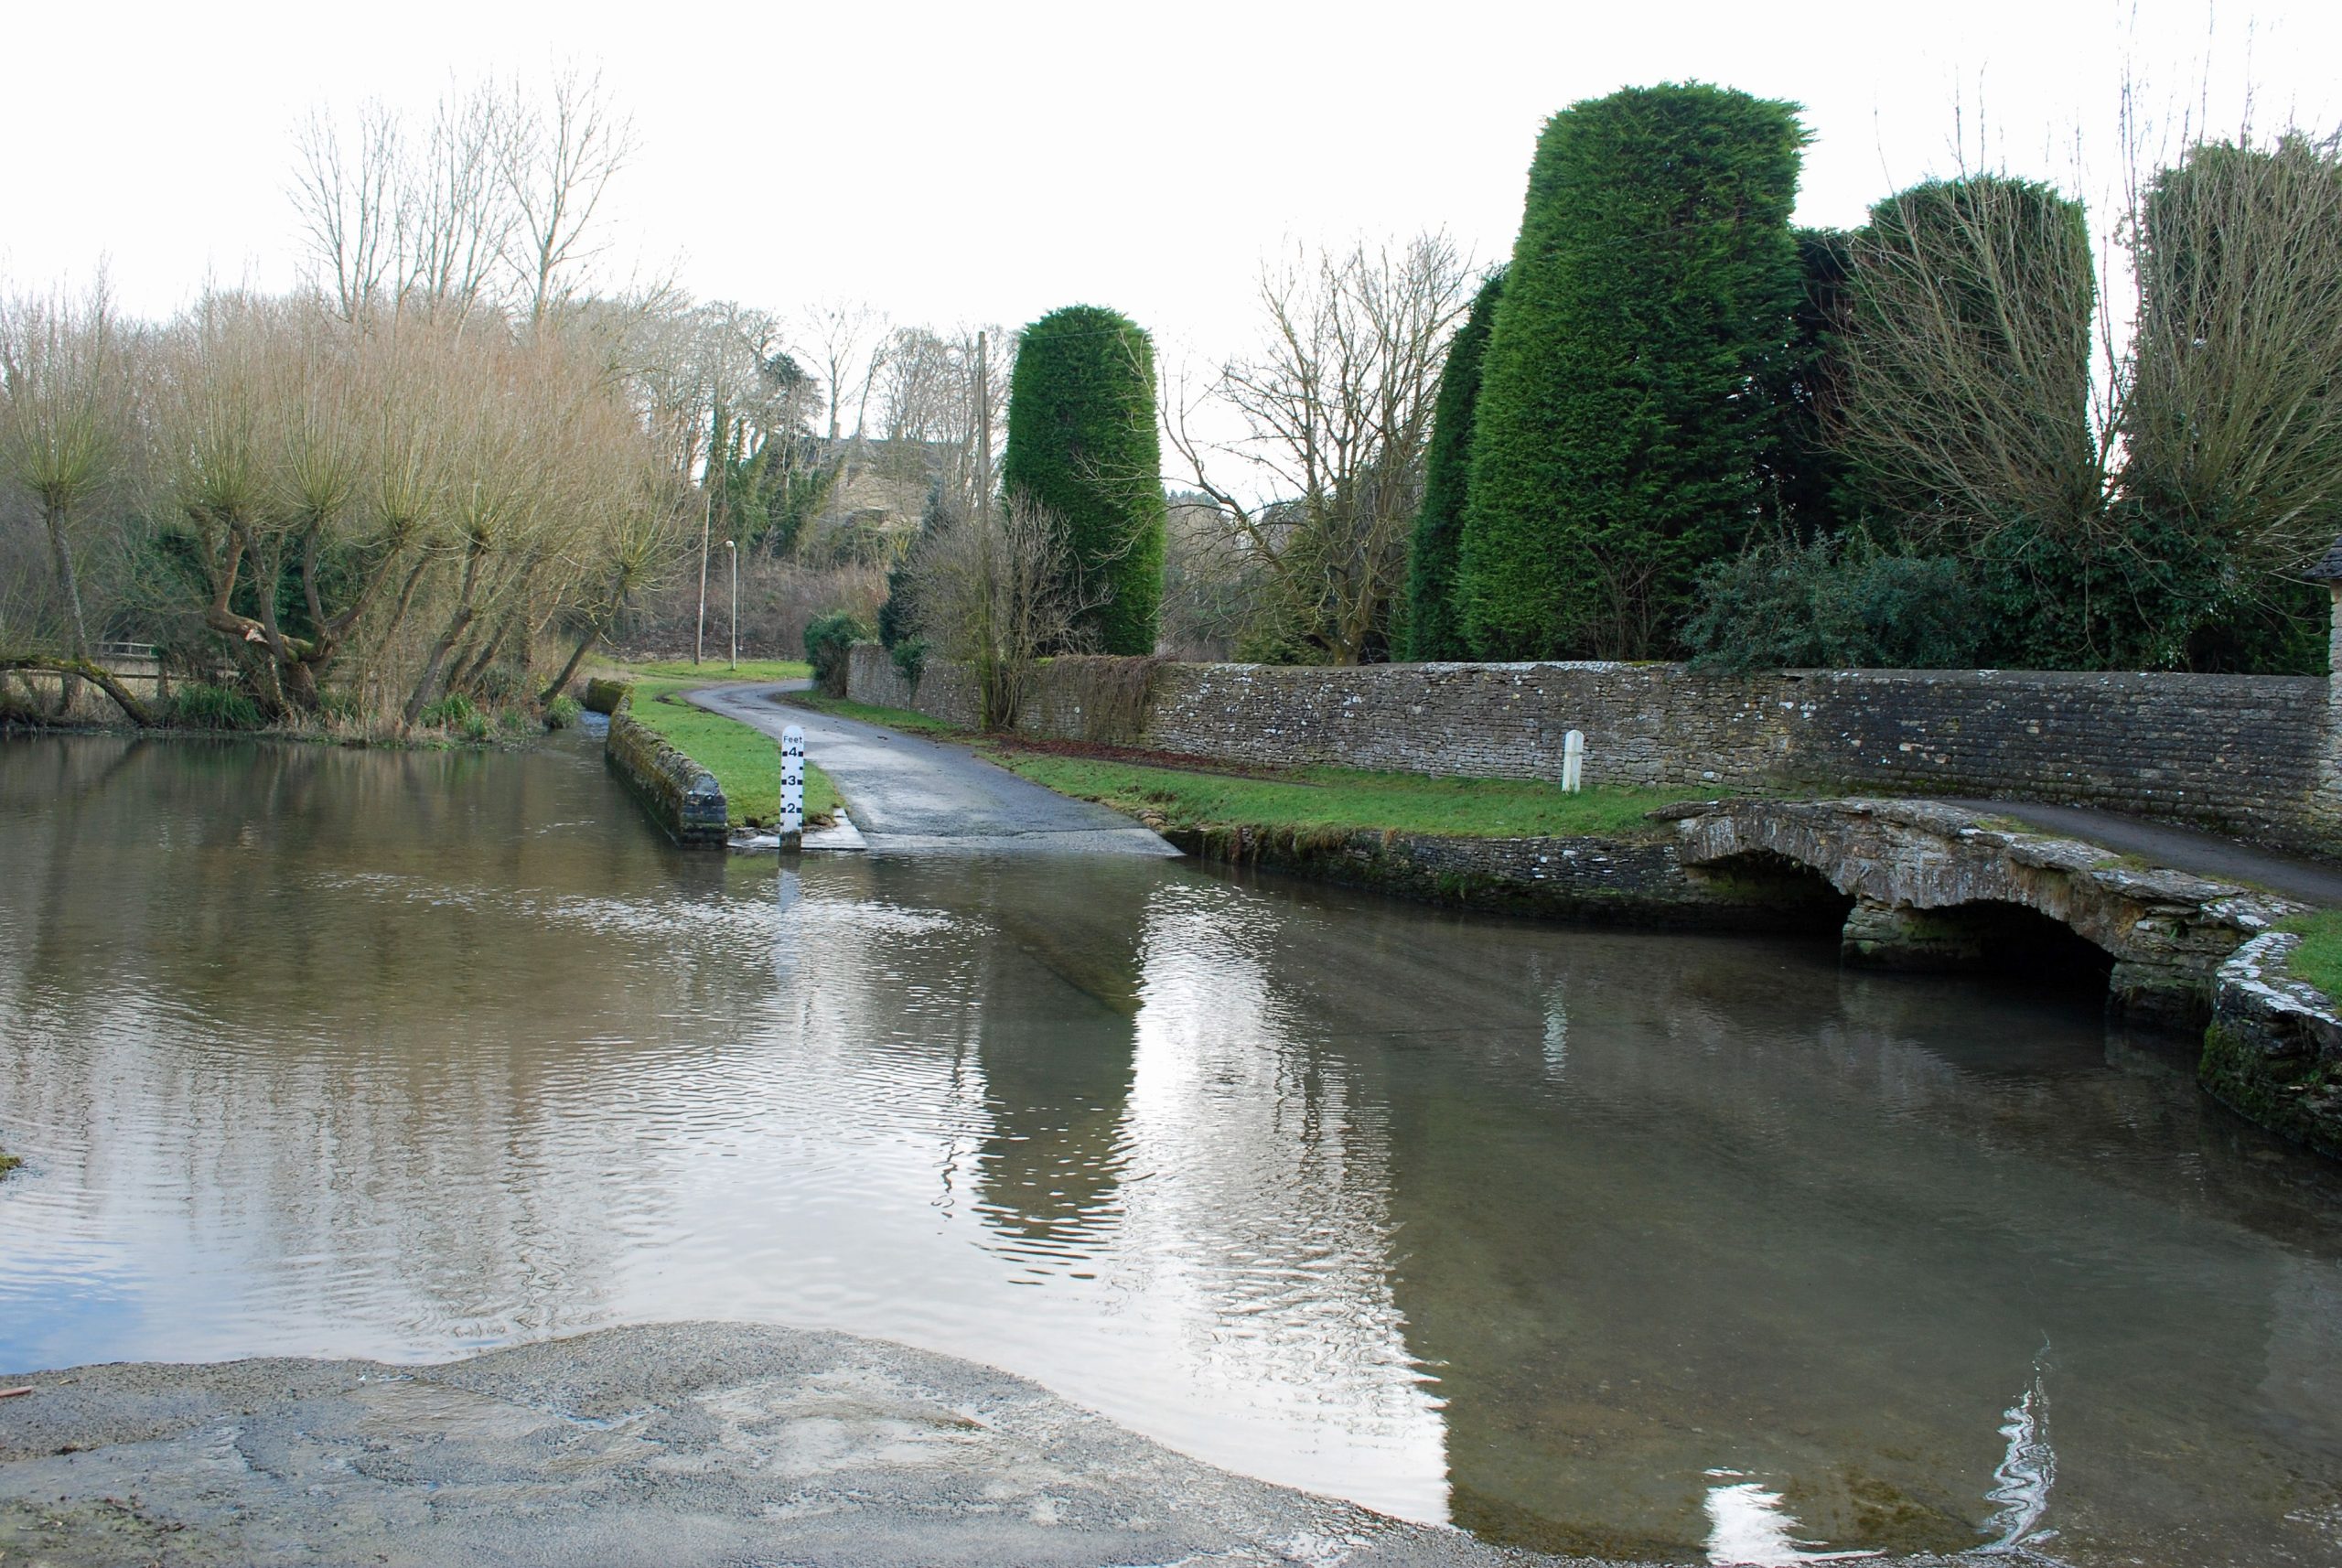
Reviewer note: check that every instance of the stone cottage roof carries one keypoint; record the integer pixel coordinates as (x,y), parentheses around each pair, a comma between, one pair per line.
(2329,565)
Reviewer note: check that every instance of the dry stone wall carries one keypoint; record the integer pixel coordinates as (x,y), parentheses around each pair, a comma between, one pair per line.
(945,690)
(2246,754)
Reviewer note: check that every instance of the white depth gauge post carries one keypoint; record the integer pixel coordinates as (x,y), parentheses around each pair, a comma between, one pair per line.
(793,788)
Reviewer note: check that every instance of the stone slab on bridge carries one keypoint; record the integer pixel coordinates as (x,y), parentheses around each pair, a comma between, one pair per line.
(1934,886)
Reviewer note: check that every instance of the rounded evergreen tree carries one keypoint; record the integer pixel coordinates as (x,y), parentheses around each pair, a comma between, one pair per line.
(1620,431)
(1435,627)
(1083,444)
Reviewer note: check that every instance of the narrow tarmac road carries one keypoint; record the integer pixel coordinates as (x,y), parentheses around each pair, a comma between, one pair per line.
(904,792)
(2180,849)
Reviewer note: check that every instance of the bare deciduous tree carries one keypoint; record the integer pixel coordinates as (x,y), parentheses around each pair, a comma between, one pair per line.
(558,167)
(923,388)
(1337,409)
(347,196)
(849,342)
(994,589)
(495,200)
(457,219)
(431,490)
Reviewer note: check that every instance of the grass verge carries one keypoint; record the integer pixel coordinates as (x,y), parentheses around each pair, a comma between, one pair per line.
(1342,799)
(683,674)
(903,719)
(2318,960)
(745,761)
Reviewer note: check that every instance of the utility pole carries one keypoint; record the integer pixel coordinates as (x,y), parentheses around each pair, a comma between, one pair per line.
(731,547)
(983,435)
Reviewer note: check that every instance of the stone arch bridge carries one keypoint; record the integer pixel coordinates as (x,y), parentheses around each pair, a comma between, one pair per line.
(1937,886)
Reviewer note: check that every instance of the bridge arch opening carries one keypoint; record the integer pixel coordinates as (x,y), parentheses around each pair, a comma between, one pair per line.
(1987,936)
(1793,895)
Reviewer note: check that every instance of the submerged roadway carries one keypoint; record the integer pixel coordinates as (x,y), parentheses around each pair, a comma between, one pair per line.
(904,792)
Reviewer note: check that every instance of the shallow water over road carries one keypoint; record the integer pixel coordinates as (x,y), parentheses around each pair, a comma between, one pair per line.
(1647,1245)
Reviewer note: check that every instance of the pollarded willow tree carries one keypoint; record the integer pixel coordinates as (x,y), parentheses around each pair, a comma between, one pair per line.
(1981,429)
(1966,398)
(1434,621)
(2233,420)
(1618,444)
(426,492)
(60,423)
(1083,447)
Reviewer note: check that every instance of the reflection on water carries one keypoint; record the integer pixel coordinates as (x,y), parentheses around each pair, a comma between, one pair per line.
(1749,1527)
(2027,1473)
(1662,1247)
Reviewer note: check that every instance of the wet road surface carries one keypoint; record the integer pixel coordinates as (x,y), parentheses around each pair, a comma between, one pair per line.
(906,792)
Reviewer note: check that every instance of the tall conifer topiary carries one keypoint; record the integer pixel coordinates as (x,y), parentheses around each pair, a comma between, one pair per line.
(1620,435)
(1434,626)
(1083,444)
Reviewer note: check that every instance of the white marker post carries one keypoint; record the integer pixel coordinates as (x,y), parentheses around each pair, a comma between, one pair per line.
(1572,761)
(793,788)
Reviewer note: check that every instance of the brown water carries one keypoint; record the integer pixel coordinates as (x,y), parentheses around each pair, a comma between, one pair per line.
(1642,1244)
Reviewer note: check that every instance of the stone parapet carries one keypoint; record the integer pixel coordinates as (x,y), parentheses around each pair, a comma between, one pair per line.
(1928,878)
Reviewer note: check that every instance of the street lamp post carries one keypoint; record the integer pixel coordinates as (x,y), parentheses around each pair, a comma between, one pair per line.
(733,549)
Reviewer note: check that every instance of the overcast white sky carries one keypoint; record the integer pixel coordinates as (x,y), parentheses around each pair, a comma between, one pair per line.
(962,163)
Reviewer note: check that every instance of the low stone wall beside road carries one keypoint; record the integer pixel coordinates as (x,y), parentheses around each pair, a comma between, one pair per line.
(2244,754)
(680,796)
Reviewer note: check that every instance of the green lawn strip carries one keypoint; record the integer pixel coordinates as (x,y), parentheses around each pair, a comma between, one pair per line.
(745,760)
(892,718)
(714,672)
(2318,960)
(1336,799)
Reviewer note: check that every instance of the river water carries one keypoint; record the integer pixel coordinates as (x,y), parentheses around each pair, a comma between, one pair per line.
(1661,1246)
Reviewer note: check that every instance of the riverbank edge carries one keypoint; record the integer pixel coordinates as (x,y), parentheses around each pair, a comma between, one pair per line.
(681,797)
(289,735)
(1586,879)
(2272,1052)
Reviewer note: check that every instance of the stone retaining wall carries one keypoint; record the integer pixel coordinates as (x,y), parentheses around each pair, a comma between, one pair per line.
(2244,754)
(2274,1052)
(680,796)
(1595,880)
